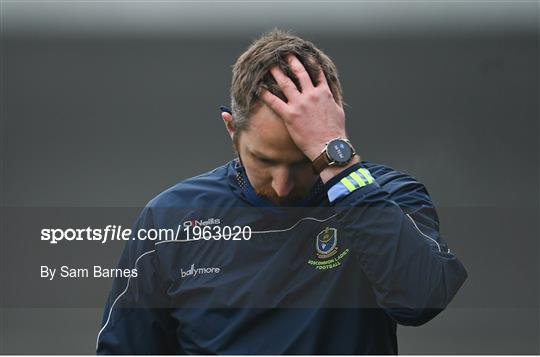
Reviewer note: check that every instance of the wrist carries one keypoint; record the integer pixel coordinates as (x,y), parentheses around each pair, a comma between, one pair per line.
(331,171)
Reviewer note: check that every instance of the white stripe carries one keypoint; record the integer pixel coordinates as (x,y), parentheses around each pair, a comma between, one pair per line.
(119,296)
(422,233)
(294,225)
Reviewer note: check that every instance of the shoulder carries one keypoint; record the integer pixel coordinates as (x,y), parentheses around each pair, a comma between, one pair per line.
(211,186)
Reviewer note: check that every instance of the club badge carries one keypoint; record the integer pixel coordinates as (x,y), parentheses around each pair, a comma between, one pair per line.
(326,243)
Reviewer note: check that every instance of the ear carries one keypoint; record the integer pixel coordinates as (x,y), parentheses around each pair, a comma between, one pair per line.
(228,120)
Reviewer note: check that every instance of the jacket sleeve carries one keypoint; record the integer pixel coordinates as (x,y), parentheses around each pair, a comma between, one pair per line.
(136,319)
(395,234)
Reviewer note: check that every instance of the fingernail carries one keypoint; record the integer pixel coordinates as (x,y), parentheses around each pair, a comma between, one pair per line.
(225,109)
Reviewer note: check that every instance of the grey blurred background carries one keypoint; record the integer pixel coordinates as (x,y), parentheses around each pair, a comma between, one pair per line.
(102,103)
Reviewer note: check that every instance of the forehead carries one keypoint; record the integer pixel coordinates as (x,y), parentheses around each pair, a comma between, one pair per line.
(268,134)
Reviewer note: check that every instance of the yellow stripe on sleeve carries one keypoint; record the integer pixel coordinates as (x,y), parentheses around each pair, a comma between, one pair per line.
(358,179)
(366,174)
(347,184)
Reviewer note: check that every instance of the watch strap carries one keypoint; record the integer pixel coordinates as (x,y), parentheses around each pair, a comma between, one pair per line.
(321,162)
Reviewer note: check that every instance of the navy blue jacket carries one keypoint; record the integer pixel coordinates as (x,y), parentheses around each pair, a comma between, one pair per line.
(333,277)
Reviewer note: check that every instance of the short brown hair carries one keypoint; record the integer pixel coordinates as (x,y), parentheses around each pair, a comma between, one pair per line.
(251,72)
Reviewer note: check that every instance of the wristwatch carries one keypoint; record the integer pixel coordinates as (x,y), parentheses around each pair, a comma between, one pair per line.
(337,152)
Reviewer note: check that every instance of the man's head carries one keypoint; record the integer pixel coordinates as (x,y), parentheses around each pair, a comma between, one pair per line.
(276,168)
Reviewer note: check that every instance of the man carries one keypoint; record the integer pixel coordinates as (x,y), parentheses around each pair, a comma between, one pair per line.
(333,251)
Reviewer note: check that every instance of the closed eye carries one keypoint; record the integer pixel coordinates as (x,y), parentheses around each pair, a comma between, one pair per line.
(266,161)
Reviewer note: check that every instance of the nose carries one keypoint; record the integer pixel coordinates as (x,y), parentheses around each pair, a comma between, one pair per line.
(282,182)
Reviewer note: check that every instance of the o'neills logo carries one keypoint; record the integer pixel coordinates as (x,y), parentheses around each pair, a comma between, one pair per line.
(198,271)
(201,222)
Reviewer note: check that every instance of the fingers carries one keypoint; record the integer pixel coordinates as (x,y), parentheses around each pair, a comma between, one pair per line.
(300,72)
(285,83)
(288,87)
(321,79)
(275,103)
(323,85)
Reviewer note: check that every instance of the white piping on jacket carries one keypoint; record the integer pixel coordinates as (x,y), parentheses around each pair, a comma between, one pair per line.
(422,233)
(119,296)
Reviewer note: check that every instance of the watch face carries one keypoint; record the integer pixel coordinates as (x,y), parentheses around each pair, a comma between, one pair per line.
(339,151)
